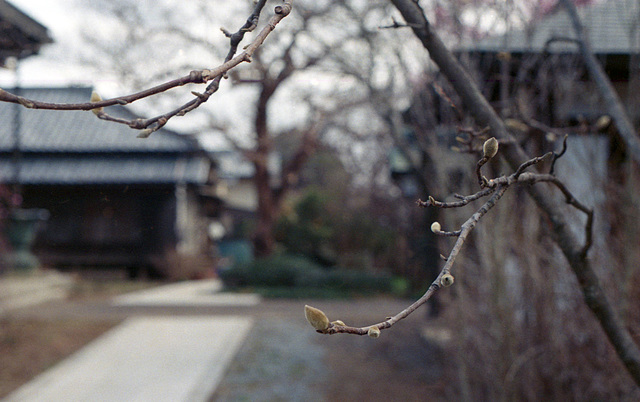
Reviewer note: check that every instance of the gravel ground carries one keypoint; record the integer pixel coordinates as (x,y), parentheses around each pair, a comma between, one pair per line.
(279,361)
(283,359)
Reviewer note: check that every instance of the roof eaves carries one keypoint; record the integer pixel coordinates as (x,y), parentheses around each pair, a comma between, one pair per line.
(28,25)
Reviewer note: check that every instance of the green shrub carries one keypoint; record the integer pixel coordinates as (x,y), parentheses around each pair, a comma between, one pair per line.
(305,230)
(276,271)
(287,271)
(236,277)
(347,279)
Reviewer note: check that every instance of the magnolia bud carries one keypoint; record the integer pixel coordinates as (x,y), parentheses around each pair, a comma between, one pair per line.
(436,228)
(339,322)
(603,122)
(145,133)
(316,318)
(490,147)
(373,332)
(446,280)
(96,98)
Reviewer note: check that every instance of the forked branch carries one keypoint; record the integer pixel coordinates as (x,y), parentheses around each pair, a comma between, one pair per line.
(210,76)
(494,189)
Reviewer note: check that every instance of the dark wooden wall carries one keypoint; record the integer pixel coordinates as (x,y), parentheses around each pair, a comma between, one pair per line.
(120,225)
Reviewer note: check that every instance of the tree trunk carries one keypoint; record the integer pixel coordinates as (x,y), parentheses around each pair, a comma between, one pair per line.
(263,239)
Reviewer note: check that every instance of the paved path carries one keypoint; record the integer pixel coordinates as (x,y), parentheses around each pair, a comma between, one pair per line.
(191,293)
(27,290)
(151,358)
(273,356)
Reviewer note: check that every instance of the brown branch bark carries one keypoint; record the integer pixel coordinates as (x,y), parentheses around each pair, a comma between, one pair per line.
(573,250)
(496,188)
(213,76)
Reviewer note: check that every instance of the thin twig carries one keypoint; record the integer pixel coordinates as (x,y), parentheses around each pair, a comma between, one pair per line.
(557,156)
(213,76)
(466,228)
(496,187)
(531,162)
(464,200)
(482,181)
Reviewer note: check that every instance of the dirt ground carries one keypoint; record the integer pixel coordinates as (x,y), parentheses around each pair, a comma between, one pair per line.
(282,358)
(30,346)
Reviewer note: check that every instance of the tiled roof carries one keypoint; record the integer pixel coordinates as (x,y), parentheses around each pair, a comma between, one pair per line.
(612,26)
(20,35)
(75,147)
(78,131)
(82,169)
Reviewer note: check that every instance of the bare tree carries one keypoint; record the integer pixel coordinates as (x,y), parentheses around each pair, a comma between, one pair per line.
(284,66)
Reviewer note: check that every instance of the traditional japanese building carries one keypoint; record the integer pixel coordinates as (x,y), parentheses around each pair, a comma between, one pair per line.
(113,199)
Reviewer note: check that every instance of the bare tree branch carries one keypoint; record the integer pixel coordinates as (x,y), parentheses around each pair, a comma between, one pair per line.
(573,250)
(213,76)
(495,188)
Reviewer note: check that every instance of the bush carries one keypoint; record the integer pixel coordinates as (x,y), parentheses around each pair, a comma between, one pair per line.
(295,272)
(318,226)
(347,279)
(305,230)
(276,271)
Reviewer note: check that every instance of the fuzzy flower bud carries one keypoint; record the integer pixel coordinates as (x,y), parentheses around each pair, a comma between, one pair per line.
(446,280)
(96,98)
(436,228)
(490,147)
(603,122)
(316,318)
(373,332)
(145,133)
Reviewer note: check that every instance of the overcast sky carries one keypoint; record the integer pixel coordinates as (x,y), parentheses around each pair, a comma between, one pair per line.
(56,65)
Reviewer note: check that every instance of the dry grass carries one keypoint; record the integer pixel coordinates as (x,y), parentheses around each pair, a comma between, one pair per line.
(28,347)
(85,289)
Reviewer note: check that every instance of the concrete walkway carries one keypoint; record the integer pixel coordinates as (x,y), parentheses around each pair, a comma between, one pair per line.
(180,358)
(19,291)
(190,293)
